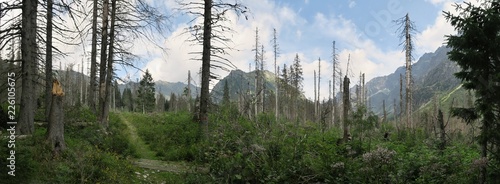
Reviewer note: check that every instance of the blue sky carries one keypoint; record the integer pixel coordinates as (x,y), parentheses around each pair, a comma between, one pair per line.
(362,29)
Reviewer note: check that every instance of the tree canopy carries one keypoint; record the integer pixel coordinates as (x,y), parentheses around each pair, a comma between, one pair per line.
(146,93)
(475,50)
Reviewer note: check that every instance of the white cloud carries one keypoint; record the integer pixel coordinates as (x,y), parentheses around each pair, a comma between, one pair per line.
(352,3)
(366,56)
(265,15)
(433,36)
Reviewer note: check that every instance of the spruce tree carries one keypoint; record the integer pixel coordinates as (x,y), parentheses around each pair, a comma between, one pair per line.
(146,93)
(475,50)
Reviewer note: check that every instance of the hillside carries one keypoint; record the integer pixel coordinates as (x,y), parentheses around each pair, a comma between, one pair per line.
(165,88)
(432,75)
(240,82)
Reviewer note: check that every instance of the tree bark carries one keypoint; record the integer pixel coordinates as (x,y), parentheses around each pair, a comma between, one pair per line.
(334,63)
(28,69)
(102,67)
(109,70)
(346,98)
(315,98)
(275,47)
(205,72)
(408,72)
(55,131)
(48,60)
(442,131)
(401,97)
(93,62)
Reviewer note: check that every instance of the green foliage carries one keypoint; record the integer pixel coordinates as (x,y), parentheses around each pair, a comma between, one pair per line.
(476,51)
(90,157)
(146,94)
(128,100)
(73,114)
(240,151)
(172,136)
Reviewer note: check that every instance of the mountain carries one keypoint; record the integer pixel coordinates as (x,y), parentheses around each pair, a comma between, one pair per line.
(432,74)
(165,88)
(241,82)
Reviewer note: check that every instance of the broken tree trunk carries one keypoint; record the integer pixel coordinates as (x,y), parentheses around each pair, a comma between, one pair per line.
(442,131)
(55,132)
(347,104)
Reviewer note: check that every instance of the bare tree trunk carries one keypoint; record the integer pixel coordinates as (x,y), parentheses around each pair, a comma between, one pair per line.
(319,87)
(330,104)
(334,63)
(262,83)
(341,91)
(257,75)
(401,96)
(276,74)
(363,91)
(102,67)
(189,91)
(442,131)
(109,70)
(408,72)
(93,62)
(315,98)
(48,60)
(55,131)
(346,98)
(205,72)
(384,118)
(28,68)
(396,115)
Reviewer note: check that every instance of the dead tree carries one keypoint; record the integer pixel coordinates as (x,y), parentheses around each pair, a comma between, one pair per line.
(319,87)
(401,109)
(109,70)
(315,98)
(384,117)
(55,131)
(48,58)
(347,104)
(211,31)
(29,62)
(276,71)
(93,61)
(407,28)
(103,62)
(442,131)
(334,99)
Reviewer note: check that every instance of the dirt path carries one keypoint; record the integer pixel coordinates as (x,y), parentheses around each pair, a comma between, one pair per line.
(148,158)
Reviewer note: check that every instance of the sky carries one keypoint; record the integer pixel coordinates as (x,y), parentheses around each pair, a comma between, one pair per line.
(363,29)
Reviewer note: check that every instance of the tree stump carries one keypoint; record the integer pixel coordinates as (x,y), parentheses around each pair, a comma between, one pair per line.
(55,132)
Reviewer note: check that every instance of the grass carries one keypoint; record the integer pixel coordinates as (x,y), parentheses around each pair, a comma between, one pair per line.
(238,150)
(142,149)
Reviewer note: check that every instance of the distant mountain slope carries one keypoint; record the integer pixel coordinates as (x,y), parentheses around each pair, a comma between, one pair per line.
(432,74)
(240,82)
(165,88)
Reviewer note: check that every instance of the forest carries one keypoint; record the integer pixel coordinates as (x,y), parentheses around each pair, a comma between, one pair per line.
(434,120)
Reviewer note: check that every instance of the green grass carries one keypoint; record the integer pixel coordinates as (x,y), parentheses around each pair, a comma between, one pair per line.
(173,137)
(238,150)
(142,149)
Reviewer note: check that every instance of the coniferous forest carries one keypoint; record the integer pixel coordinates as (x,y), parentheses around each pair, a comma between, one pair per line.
(109,118)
